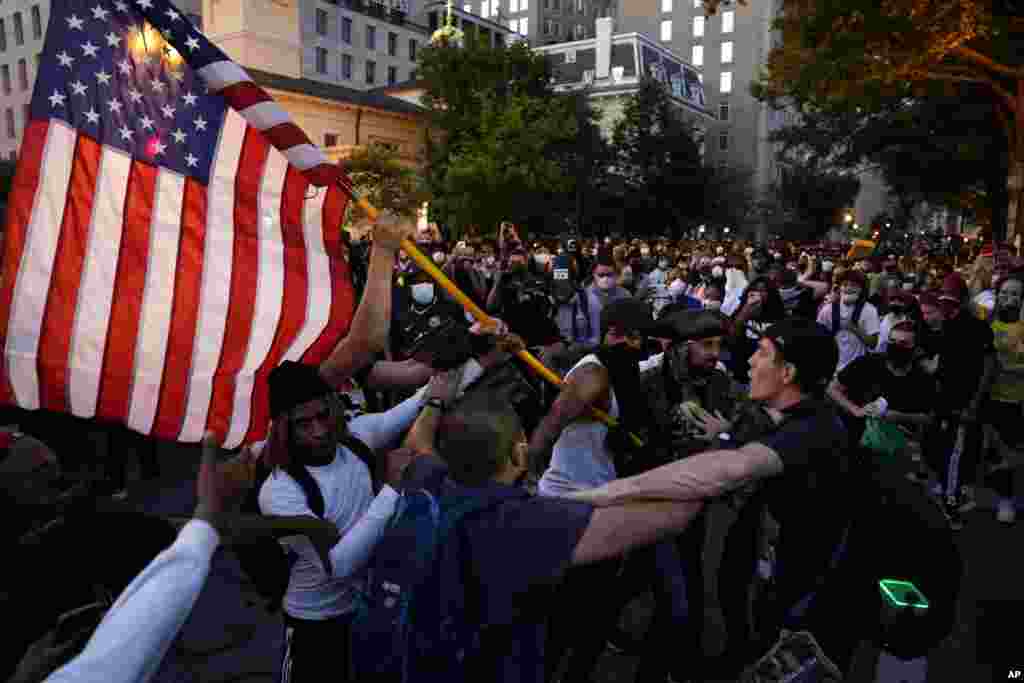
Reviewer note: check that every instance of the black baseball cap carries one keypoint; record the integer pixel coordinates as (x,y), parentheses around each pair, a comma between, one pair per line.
(680,325)
(629,314)
(808,347)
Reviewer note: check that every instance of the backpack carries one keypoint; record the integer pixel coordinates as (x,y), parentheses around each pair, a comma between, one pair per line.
(265,562)
(857,310)
(419,617)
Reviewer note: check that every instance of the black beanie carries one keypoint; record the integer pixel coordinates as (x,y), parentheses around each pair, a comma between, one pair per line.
(292,384)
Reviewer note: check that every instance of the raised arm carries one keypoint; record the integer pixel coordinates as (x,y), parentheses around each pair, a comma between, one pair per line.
(588,386)
(614,530)
(371,324)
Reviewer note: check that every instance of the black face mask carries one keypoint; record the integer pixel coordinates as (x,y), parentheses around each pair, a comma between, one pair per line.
(1009,315)
(899,356)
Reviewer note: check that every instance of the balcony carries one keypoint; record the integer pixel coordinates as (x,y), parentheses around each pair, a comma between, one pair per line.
(395,13)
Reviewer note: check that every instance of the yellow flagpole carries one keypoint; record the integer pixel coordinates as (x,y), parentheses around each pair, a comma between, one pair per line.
(424,262)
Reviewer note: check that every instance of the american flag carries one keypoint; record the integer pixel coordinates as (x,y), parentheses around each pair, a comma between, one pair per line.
(171,237)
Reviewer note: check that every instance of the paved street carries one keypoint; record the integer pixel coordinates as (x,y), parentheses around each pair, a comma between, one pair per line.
(227,638)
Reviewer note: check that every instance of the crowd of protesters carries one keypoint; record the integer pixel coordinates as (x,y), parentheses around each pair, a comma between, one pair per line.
(760,378)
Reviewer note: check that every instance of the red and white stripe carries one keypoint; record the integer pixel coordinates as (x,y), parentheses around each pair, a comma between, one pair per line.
(131,294)
(259,109)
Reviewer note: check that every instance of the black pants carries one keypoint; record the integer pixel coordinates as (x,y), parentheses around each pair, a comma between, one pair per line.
(317,650)
(955,467)
(581,620)
(676,571)
(736,576)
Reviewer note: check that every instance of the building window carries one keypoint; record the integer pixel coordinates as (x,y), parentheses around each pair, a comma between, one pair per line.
(666,5)
(666,31)
(723,111)
(371,37)
(723,142)
(7,79)
(321,60)
(697,55)
(330,139)
(556,5)
(485,7)
(523,6)
(321,22)
(513,5)
(579,32)
(581,8)
(513,25)
(371,72)
(412,50)
(698,4)
(392,75)
(23,74)
(392,44)
(728,21)
(37,23)
(727,52)
(346,30)
(346,67)
(725,82)
(10,122)
(698,27)
(3,35)
(19,29)
(467,8)
(524,29)
(548,27)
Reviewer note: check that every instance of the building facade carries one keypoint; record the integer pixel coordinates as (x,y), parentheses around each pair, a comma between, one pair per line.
(538,22)
(610,67)
(483,25)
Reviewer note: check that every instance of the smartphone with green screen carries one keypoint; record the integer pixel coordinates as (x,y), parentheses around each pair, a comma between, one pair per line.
(901,594)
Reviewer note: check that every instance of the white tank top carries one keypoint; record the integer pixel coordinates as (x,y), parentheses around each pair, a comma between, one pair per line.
(580,459)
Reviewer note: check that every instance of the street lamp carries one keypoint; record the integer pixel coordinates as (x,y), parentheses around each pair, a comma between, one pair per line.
(727,230)
(848,218)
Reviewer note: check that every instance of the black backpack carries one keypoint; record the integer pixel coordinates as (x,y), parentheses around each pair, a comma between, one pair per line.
(265,561)
(857,310)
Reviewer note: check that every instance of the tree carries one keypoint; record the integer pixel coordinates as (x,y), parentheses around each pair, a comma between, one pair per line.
(378,175)
(657,159)
(812,199)
(848,53)
(495,119)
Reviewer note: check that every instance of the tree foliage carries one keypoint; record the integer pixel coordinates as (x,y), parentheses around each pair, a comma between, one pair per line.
(496,123)
(377,174)
(809,200)
(661,177)
(863,64)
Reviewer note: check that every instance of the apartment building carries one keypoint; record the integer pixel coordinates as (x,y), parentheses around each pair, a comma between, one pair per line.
(538,22)
(22,31)
(609,68)
(484,25)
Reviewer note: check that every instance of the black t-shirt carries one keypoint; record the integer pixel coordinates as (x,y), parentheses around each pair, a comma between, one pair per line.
(809,499)
(869,378)
(527,306)
(518,550)
(966,341)
(410,322)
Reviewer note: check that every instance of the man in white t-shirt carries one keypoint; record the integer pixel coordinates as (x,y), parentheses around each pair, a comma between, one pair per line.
(853,320)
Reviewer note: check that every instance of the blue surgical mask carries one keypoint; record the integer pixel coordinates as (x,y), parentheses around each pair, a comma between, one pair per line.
(423,293)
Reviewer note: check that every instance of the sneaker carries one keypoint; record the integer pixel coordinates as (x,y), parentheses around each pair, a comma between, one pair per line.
(951,508)
(967,501)
(1007,511)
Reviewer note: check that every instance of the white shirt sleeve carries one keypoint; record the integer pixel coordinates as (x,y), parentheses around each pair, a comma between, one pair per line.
(869,323)
(652,362)
(825,316)
(281,495)
(131,641)
(382,430)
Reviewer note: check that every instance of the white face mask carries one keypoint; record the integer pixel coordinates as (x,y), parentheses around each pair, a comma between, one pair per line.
(488,260)
(676,288)
(717,271)
(423,293)
(438,257)
(605,281)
